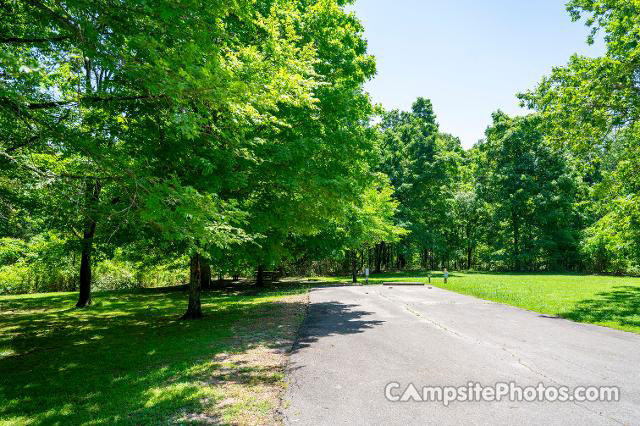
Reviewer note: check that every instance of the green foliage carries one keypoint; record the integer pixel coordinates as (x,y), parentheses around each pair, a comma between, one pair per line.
(530,190)
(370,220)
(134,136)
(47,263)
(43,264)
(160,132)
(424,167)
(590,106)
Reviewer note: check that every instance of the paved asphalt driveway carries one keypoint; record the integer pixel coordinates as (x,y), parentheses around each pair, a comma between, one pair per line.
(356,340)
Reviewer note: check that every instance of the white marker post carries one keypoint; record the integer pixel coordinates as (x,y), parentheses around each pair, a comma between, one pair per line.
(366,274)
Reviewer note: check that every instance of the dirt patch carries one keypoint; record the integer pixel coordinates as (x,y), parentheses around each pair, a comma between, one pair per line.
(250,381)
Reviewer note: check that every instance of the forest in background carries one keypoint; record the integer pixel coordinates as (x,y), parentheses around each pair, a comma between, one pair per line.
(156,143)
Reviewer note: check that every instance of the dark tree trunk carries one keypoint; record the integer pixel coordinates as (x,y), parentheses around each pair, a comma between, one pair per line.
(516,244)
(400,262)
(236,278)
(379,252)
(432,260)
(84,298)
(469,246)
(260,276)
(385,256)
(92,196)
(354,274)
(205,276)
(194,310)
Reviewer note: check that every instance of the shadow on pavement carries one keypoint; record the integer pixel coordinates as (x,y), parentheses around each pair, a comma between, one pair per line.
(331,318)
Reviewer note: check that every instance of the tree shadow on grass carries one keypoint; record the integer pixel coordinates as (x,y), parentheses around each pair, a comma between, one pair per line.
(621,306)
(126,359)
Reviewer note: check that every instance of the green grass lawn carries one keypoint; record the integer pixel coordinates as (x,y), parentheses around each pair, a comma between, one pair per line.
(603,300)
(129,360)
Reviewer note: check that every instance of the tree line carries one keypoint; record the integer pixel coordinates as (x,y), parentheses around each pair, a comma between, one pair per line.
(155,142)
(554,190)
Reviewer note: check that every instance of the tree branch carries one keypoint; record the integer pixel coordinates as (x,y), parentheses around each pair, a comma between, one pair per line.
(91,99)
(18,40)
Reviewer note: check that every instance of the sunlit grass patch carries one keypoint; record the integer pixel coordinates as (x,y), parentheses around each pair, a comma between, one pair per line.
(129,359)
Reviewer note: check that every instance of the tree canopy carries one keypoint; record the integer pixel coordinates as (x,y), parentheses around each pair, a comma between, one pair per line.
(234,138)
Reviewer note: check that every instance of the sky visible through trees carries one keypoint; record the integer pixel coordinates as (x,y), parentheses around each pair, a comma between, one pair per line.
(156,143)
(469,57)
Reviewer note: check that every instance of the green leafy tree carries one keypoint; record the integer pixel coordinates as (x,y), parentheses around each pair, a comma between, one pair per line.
(591,107)
(138,114)
(423,166)
(531,191)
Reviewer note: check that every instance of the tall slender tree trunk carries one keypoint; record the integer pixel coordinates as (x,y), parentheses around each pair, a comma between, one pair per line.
(379,252)
(467,232)
(194,310)
(516,244)
(260,276)
(92,198)
(432,260)
(354,273)
(386,250)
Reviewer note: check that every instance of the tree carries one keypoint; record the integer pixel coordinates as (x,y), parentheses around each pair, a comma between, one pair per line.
(131,105)
(423,167)
(591,107)
(369,220)
(317,159)
(530,189)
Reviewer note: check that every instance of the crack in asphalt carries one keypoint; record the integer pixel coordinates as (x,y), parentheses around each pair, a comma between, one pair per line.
(510,352)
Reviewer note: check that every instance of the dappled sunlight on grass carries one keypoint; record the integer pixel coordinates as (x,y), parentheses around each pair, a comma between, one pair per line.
(127,358)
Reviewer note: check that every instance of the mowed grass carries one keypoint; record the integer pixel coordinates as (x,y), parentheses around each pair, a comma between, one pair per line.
(604,300)
(128,359)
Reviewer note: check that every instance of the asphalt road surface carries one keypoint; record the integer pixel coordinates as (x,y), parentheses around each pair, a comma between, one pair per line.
(357,340)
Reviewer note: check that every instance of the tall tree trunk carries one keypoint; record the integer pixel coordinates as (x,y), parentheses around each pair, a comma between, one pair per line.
(516,244)
(194,310)
(432,259)
(354,274)
(92,198)
(379,252)
(386,250)
(205,275)
(260,276)
(469,247)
